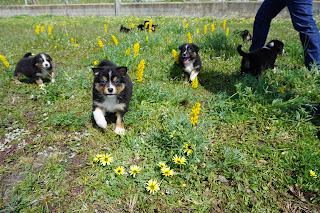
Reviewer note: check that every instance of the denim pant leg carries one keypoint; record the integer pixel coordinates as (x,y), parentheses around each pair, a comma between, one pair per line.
(303,22)
(267,11)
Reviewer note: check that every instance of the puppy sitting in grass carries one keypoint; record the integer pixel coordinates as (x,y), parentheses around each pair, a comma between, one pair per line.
(189,61)
(112,91)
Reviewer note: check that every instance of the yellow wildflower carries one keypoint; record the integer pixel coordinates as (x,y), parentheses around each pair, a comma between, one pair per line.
(95,62)
(194,83)
(106,159)
(150,26)
(100,42)
(167,171)
(140,70)
(162,165)
(189,37)
(42,29)
(119,170)
(224,24)
(186,26)
(175,56)
(147,38)
(205,29)
(37,30)
(188,148)
(212,29)
(128,51)
(105,28)
(179,160)
(227,31)
(136,49)
(4,60)
(132,26)
(153,186)
(198,31)
(72,39)
(281,90)
(194,114)
(50,28)
(115,40)
(313,174)
(134,170)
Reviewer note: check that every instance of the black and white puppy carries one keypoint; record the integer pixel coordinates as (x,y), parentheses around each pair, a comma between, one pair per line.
(38,68)
(260,59)
(245,35)
(146,26)
(112,91)
(124,29)
(189,60)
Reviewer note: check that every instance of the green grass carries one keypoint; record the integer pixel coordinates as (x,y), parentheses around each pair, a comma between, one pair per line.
(253,147)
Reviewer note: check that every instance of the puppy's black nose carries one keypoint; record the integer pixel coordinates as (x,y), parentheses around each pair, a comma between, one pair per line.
(184,54)
(110,90)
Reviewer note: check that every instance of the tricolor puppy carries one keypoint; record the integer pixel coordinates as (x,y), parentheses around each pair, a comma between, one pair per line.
(38,68)
(260,59)
(189,60)
(245,35)
(124,29)
(112,91)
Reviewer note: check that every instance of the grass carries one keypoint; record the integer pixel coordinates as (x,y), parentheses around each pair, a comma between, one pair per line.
(251,151)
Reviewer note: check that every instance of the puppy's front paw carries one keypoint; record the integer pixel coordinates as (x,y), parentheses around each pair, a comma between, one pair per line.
(53,80)
(193,75)
(99,118)
(120,131)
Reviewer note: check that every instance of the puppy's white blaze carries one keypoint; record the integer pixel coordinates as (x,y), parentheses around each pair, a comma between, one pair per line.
(193,75)
(120,131)
(45,63)
(110,85)
(110,104)
(99,118)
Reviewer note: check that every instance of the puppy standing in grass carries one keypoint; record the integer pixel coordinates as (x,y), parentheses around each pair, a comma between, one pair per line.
(189,60)
(38,68)
(112,91)
(260,59)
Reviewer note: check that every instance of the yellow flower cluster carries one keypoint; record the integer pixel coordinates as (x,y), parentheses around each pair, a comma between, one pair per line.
(175,56)
(186,26)
(100,42)
(150,26)
(128,51)
(227,31)
(136,49)
(179,160)
(105,28)
(50,28)
(281,90)
(194,114)
(37,30)
(188,148)
(102,159)
(224,24)
(194,83)
(212,29)
(132,26)
(4,60)
(140,70)
(115,40)
(189,37)
(205,29)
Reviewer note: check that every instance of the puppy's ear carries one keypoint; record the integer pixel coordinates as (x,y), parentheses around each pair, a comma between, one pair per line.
(196,48)
(122,70)
(50,59)
(180,48)
(96,71)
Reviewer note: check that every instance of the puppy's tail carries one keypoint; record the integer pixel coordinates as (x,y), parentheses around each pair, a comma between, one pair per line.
(240,51)
(27,55)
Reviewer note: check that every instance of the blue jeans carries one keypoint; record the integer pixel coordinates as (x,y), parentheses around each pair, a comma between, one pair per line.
(302,20)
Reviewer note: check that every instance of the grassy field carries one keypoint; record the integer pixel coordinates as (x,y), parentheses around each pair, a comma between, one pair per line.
(253,148)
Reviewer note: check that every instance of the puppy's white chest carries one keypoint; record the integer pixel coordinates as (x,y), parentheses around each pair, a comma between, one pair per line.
(44,73)
(110,104)
(188,67)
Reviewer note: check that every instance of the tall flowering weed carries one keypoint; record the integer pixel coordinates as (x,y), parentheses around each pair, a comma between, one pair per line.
(140,70)
(194,114)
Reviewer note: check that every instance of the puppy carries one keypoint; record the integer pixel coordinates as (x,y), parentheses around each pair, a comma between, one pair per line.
(146,26)
(112,91)
(189,60)
(124,29)
(38,68)
(245,35)
(260,59)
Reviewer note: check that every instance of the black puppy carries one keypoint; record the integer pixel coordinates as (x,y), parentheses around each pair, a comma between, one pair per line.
(260,59)
(124,29)
(38,68)
(112,91)
(146,26)
(189,60)
(245,35)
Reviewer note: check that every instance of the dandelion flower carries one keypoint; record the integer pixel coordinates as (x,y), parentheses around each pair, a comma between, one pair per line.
(140,70)
(153,186)
(106,159)
(189,37)
(179,160)
(119,170)
(162,165)
(167,171)
(136,49)
(313,174)
(115,40)
(95,62)
(175,56)
(134,170)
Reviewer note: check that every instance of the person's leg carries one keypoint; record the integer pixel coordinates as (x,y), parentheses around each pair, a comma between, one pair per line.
(303,22)
(267,11)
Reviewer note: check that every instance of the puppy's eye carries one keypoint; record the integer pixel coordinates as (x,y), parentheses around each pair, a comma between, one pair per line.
(103,83)
(117,81)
